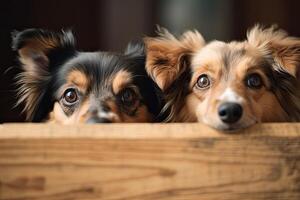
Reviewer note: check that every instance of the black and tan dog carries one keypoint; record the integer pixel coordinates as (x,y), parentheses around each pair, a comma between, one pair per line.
(61,84)
(228,86)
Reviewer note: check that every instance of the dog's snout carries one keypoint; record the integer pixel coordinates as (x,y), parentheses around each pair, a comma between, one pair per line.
(230,112)
(98,113)
(94,120)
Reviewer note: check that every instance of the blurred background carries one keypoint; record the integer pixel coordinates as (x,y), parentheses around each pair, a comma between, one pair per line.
(110,24)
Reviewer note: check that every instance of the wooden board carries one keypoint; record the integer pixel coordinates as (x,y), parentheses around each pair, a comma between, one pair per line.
(149,161)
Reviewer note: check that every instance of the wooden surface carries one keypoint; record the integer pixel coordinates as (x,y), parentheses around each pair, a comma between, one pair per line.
(147,161)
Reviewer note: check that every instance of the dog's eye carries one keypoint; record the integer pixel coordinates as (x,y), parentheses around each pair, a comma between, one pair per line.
(203,81)
(128,97)
(254,81)
(70,96)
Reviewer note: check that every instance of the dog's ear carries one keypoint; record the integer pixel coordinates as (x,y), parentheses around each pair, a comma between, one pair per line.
(39,53)
(283,49)
(168,57)
(37,48)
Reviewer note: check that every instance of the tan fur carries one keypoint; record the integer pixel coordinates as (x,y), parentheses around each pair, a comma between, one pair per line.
(79,79)
(37,46)
(57,115)
(285,49)
(121,79)
(166,53)
(29,91)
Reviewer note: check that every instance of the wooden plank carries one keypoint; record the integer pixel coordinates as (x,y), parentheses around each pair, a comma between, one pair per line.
(141,130)
(123,162)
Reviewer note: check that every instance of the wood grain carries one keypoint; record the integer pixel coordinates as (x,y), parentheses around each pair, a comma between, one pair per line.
(141,130)
(126,162)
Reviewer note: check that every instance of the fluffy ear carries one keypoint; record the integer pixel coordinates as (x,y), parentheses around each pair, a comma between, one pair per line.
(35,47)
(167,56)
(39,52)
(284,50)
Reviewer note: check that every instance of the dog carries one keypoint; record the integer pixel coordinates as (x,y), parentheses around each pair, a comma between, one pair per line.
(228,86)
(63,85)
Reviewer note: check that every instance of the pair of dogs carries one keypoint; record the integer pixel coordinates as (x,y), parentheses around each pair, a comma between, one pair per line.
(227,86)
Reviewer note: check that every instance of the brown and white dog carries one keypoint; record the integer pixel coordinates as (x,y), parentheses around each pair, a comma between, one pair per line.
(228,86)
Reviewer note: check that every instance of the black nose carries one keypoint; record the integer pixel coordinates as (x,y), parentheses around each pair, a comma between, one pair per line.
(230,112)
(94,120)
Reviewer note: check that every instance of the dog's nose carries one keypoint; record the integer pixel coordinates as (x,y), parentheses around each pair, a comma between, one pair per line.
(230,112)
(94,120)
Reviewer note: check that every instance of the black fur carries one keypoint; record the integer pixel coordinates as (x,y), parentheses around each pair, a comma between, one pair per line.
(98,66)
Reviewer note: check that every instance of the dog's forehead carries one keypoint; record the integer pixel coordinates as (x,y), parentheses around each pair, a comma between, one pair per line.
(96,61)
(211,51)
(94,70)
(223,55)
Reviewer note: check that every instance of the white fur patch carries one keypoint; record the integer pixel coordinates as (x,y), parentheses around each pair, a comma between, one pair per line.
(230,95)
(109,115)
